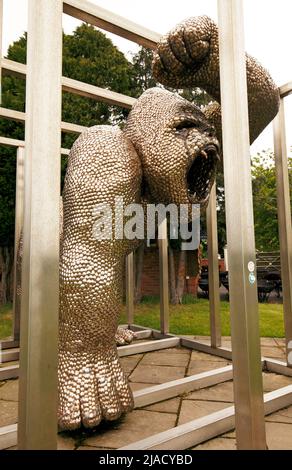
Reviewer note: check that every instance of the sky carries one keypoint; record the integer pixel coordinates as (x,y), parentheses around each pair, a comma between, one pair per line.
(268,33)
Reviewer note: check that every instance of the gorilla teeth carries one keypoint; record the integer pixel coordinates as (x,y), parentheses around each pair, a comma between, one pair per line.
(200,174)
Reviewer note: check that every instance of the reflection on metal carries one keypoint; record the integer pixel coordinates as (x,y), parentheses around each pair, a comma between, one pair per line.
(40,266)
(284,223)
(130,289)
(248,387)
(213,271)
(19,206)
(163,277)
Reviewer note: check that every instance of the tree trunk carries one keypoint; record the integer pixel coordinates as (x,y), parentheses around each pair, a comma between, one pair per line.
(181,275)
(6,274)
(172,278)
(139,262)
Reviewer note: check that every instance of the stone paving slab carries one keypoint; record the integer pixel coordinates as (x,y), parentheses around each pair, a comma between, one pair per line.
(9,390)
(191,409)
(196,367)
(167,406)
(65,442)
(279,436)
(160,367)
(282,416)
(155,358)
(273,352)
(200,356)
(8,412)
(157,374)
(130,362)
(273,381)
(139,386)
(93,448)
(176,350)
(135,426)
(221,392)
(219,443)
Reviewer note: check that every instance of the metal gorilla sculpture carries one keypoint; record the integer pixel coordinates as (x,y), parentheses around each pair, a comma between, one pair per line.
(173,145)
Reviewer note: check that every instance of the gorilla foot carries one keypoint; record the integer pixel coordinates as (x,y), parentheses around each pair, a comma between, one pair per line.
(92,387)
(124,336)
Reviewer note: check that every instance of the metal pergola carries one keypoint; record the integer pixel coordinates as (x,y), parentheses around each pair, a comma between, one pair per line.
(38,168)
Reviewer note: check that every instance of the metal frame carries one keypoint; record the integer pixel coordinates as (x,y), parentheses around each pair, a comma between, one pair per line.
(230,24)
(129,281)
(74,86)
(163,277)
(284,221)
(19,216)
(40,263)
(248,387)
(213,270)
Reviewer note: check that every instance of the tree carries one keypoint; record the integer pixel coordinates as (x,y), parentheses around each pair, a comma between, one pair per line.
(89,56)
(265,200)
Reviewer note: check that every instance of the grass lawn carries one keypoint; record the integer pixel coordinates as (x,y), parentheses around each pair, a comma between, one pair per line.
(5,321)
(190,318)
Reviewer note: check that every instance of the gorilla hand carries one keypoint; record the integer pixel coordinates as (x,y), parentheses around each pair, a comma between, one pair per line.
(188,56)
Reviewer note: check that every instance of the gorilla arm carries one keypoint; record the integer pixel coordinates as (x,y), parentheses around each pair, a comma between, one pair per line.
(188,57)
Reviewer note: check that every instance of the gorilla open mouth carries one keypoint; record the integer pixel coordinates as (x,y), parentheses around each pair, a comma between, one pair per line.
(201,174)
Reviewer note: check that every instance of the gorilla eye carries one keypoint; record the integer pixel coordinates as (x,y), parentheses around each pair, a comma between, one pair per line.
(187,125)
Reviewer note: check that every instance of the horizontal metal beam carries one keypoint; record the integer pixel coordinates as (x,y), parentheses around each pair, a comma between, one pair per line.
(278,367)
(8,436)
(186,435)
(13,68)
(11,142)
(143,334)
(202,347)
(9,355)
(109,21)
(9,372)
(148,346)
(286,89)
(20,117)
(76,87)
(21,143)
(97,93)
(8,343)
(174,388)
(202,429)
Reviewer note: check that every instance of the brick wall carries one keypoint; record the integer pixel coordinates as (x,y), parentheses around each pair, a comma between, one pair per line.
(150,276)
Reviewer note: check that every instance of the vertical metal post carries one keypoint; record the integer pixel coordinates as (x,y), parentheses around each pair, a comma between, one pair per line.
(130,289)
(163,277)
(284,220)
(19,206)
(248,387)
(37,428)
(213,271)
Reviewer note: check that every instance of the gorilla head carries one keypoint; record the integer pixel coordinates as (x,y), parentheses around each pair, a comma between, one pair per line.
(177,147)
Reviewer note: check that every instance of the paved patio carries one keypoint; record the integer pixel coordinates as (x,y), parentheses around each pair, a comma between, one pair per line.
(147,369)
